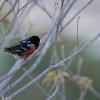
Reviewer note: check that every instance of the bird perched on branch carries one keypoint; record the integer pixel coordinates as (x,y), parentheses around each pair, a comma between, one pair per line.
(25,47)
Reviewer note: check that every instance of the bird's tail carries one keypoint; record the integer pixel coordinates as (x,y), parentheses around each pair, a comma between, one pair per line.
(8,50)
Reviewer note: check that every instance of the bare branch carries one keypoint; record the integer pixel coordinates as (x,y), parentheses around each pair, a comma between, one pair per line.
(53,94)
(83,8)
(82,95)
(9,75)
(13,7)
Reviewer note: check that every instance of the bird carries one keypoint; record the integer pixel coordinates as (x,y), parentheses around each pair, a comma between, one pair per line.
(24,48)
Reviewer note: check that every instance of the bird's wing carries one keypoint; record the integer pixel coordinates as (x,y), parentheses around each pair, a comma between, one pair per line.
(22,46)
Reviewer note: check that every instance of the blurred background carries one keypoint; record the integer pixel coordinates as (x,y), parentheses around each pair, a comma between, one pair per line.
(35,22)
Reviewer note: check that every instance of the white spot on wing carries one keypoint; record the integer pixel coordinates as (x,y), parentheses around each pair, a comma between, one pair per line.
(29,45)
(18,50)
(29,42)
(23,41)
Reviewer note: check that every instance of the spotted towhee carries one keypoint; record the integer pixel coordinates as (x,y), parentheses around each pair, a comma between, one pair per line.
(25,47)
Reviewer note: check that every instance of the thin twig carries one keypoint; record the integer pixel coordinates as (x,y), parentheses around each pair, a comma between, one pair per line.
(3,3)
(77,36)
(63,94)
(83,8)
(82,95)
(17,21)
(53,94)
(44,9)
(79,65)
(94,92)
(15,68)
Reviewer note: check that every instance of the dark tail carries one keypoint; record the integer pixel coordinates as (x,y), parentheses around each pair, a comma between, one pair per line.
(9,50)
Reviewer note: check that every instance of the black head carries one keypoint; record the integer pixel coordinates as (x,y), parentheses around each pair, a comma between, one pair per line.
(35,40)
